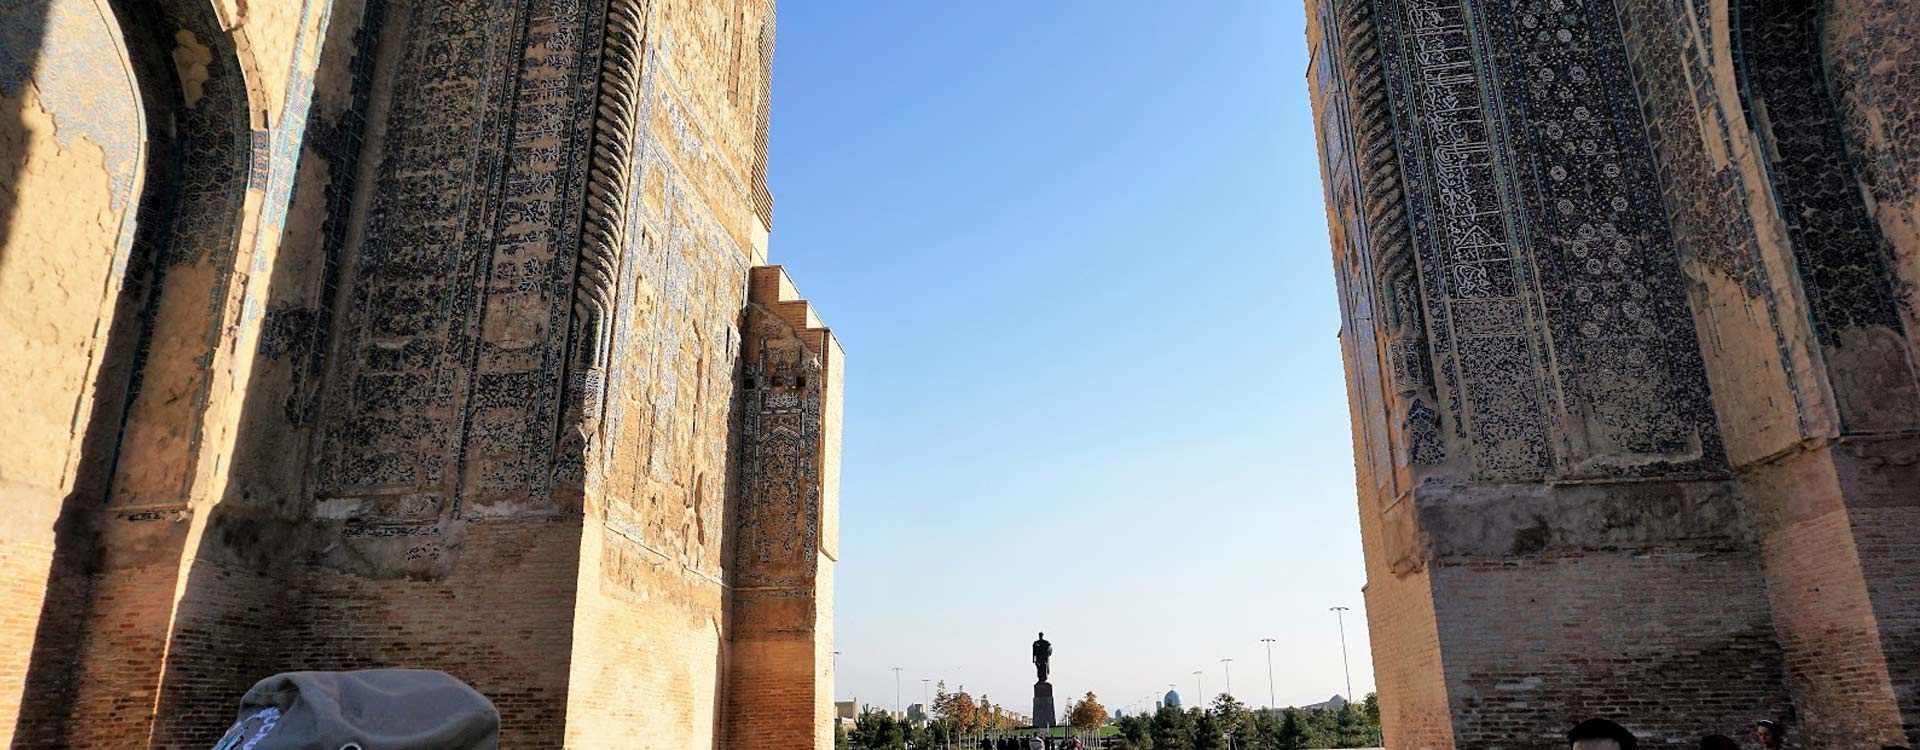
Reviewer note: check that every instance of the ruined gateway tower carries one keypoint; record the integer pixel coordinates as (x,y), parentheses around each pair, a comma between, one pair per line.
(1628,290)
(433,333)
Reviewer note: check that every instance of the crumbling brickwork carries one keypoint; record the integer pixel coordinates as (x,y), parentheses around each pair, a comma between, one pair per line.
(1656,256)
(415,333)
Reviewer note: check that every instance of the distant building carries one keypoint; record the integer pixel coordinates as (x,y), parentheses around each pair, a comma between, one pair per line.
(846,713)
(1336,702)
(1172,699)
(917,713)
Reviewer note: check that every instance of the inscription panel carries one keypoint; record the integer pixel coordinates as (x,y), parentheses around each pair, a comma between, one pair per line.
(1472,274)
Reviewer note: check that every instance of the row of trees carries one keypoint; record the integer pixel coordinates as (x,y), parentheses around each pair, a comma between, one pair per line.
(955,715)
(957,720)
(959,713)
(1228,724)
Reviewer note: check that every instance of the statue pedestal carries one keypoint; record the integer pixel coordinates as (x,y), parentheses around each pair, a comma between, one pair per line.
(1043,714)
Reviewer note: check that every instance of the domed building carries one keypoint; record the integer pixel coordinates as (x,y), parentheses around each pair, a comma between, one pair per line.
(1172,699)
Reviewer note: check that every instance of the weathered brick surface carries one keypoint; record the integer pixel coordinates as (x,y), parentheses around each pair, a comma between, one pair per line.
(1629,357)
(1674,643)
(468,394)
(70,158)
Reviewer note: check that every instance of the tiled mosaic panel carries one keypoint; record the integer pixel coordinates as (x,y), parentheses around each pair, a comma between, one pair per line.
(454,232)
(1841,256)
(676,344)
(1626,359)
(1565,346)
(507,464)
(301,331)
(1845,263)
(68,51)
(1872,63)
(780,450)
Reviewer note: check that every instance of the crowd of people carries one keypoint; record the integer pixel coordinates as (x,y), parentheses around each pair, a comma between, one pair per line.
(1601,734)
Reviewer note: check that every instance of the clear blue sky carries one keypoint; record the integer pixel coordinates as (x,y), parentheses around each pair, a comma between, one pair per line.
(1076,252)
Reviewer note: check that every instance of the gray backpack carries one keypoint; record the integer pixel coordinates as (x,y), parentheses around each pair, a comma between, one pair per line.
(374,709)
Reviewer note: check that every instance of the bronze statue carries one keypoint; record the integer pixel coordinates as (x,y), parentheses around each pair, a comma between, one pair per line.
(1042,651)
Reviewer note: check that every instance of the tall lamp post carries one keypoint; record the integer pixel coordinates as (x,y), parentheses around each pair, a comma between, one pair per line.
(1271,703)
(896,693)
(1340,615)
(924,682)
(1199,687)
(1227,664)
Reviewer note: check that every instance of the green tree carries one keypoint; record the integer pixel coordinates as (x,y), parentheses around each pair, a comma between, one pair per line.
(1136,732)
(1234,719)
(1295,733)
(1172,729)
(1353,729)
(1087,714)
(1265,732)
(1323,727)
(840,740)
(1208,734)
(878,730)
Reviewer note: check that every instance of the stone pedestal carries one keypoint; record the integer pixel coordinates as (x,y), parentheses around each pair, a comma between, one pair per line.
(1043,714)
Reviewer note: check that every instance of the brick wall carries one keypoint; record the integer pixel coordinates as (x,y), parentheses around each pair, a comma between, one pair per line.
(1673,643)
(1406,654)
(646,666)
(40,623)
(1889,553)
(501,619)
(117,680)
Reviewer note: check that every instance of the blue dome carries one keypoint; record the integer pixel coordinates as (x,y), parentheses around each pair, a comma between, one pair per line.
(1172,699)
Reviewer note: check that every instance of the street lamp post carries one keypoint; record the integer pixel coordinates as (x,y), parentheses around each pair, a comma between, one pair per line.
(1227,664)
(1199,687)
(924,682)
(1340,615)
(896,693)
(1271,703)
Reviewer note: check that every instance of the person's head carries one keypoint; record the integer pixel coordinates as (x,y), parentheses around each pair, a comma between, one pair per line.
(1769,733)
(1600,734)
(1718,742)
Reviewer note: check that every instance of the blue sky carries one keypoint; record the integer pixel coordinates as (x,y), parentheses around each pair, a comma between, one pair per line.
(1076,252)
